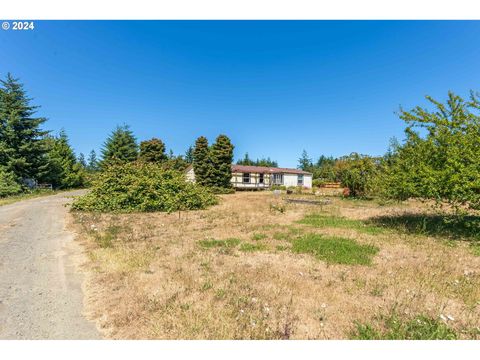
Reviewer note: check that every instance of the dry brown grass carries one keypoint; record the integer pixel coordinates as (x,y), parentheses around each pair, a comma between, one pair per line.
(150,278)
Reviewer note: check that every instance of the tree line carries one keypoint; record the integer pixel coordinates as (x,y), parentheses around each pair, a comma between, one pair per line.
(29,154)
(439,158)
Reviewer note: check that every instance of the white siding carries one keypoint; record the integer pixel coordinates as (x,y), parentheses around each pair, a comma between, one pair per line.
(307,181)
(292,180)
(190,175)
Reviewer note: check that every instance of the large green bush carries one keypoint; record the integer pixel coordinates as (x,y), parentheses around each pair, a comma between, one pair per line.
(8,184)
(143,187)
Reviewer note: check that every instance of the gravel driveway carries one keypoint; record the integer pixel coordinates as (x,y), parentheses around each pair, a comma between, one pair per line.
(40,289)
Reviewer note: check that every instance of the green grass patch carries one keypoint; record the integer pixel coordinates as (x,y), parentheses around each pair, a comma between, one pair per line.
(247,247)
(475,249)
(212,243)
(258,236)
(330,221)
(395,328)
(335,250)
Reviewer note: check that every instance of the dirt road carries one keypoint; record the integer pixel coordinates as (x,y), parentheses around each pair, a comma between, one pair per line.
(40,288)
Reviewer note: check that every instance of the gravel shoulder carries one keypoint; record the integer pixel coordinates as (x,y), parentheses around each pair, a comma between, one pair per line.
(40,284)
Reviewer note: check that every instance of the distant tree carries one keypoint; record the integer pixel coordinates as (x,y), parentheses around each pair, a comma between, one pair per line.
(259,162)
(202,165)
(246,161)
(92,164)
(22,147)
(266,162)
(81,160)
(120,147)
(153,151)
(305,162)
(189,155)
(441,162)
(63,169)
(222,158)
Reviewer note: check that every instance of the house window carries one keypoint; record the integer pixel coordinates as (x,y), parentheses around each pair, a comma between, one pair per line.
(260,179)
(300,180)
(246,178)
(278,179)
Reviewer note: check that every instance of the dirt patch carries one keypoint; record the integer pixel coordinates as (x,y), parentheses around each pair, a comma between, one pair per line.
(229,272)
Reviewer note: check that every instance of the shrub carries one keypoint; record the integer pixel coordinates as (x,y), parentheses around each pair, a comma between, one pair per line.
(143,187)
(8,184)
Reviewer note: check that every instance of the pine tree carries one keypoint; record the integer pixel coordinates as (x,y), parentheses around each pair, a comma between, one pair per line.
(153,151)
(304,163)
(120,147)
(63,169)
(246,160)
(221,158)
(81,160)
(189,155)
(92,164)
(202,166)
(22,147)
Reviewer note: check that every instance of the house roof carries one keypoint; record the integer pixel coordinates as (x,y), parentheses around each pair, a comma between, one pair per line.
(267,170)
(262,170)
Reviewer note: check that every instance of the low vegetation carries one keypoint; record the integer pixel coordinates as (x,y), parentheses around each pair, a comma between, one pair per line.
(238,270)
(335,250)
(143,187)
(395,327)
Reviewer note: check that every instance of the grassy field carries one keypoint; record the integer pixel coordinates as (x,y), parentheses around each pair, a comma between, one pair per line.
(256,267)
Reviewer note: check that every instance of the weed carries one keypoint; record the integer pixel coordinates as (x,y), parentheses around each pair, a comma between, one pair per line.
(282,248)
(252,247)
(336,250)
(258,236)
(212,243)
(421,327)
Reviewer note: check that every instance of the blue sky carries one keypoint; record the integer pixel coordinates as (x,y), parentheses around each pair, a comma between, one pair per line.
(274,87)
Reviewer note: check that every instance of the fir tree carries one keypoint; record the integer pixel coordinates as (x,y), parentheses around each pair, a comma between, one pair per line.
(221,158)
(120,147)
(22,148)
(246,160)
(189,155)
(202,166)
(92,164)
(153,151)
(63,170)
(305,163)
(82,161)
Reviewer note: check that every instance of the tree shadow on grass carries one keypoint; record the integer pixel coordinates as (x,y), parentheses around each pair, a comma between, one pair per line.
(454,227)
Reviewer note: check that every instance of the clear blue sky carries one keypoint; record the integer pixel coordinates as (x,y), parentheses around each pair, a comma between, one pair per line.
(274,87)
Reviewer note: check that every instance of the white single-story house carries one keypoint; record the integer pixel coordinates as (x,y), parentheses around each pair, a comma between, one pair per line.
(262,177)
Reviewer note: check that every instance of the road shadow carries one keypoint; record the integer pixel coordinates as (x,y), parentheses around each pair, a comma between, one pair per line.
(437,225)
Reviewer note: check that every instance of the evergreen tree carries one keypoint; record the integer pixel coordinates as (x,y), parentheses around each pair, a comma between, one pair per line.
(63,170)
(305,163)
(222,157)
(8,183)
(246,160)
(120,147)
(266,162)
(82,161)
(189,155)
(202,166)
(92,164)
(153,151)
(21,138)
